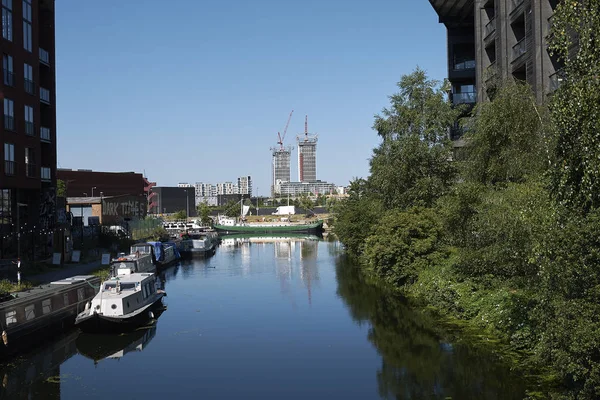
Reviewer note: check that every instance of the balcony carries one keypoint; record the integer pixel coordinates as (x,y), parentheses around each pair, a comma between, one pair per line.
(9,168)
(45,174)
(9,78)
(29,128)
(45,134)
(9,122)
(30,170)
(515,5)
(464,64)
(556,79)
(44,57)
(490,28)
(30,86)
(519,49)
(44,95)
(464,98)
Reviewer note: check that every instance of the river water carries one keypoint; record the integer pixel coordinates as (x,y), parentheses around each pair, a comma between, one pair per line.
(267,318)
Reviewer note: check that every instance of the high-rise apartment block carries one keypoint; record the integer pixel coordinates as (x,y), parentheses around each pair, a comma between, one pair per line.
(307,155)
(280,167)
(28,88)
(245,185)
(492,40)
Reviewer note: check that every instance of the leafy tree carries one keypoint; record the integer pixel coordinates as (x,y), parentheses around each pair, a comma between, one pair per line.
(575,42)
(204,213)
(306,203)
(506,142)
(179,215)
(412,164)
(61,188)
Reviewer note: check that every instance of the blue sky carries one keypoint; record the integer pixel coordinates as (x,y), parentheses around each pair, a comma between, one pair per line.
(196,91)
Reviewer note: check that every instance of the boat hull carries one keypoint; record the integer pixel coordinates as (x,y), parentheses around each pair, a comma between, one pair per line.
(313,228)
(98,323)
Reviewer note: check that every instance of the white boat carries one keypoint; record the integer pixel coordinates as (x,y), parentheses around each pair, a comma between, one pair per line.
(198,243)
(123,304)
(131,263)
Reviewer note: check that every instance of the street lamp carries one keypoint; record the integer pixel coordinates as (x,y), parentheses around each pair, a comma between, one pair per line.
(93,191)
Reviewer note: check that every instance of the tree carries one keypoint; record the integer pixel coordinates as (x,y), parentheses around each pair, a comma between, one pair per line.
(204,213)
(412,164)
(179,215)
(61,188)
(306,203)
(506,142)
(575,42)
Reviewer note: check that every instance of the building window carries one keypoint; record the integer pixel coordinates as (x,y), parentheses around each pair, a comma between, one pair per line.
(8,72)
(27,36)
(5,207)
(28,77)
(9,158)
(30,170)
(29,125)
(11,318)
(30,312)
(27,10)
(7,25)
(46,176)
(9,115)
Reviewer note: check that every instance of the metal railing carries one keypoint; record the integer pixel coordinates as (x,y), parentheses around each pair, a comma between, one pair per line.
(29,128)
(519,49)
(30,170)
(9,122)
(45,95)
(29,86)
(464,98)
(9,167)
(460,65)
(490,27)
(45,134)
(44,57)
(9,78)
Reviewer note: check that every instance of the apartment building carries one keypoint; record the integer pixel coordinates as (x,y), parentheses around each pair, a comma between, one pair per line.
(28,88)
(244,185)
(492,40)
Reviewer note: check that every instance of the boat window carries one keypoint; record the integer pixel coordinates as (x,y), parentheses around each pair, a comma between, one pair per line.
(145,291)
(66,299)
(11,317)
(30,312)
(46,306)
(80,294)
(128,286)
(109,286)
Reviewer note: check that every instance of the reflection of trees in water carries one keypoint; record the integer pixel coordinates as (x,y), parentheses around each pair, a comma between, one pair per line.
(35,375)
(417,359)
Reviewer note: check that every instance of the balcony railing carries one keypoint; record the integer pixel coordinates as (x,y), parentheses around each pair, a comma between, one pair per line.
(30,170)
(519,49)
(44,95)
(9,122)
(45,174)
(464,98)
(556,79)
(29,128)
(516,4)
(45,134)
(9,167)
(490,27)
(9,78)
(44,57)
(460,65)
(29,86)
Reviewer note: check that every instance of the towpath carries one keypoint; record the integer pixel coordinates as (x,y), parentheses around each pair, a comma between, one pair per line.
(65,272)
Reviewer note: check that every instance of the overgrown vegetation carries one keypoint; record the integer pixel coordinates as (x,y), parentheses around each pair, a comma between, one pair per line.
(508,237)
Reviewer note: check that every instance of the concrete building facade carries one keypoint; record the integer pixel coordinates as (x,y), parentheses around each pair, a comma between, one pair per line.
(28,131)
(170,200)
(280,167)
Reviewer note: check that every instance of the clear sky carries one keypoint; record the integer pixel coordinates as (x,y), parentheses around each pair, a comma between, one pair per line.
(196,90)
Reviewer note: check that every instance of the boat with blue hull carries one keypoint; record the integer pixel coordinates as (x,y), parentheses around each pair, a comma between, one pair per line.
(163,253)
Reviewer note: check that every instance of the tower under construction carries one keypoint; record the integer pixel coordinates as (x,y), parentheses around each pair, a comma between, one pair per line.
(307,155)
(280,164)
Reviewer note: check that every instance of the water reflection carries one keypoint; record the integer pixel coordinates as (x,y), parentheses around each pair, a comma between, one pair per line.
(37,375)
(418,360)
(100,347)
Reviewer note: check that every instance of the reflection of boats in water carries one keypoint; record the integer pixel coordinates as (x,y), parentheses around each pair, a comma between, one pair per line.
(267,238)
(28,376)
(100,347)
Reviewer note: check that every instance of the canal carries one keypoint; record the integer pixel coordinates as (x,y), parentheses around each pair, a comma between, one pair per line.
(267,319)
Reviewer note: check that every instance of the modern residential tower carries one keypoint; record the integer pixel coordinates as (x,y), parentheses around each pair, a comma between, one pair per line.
(280,167)
(28,184)
(307,155)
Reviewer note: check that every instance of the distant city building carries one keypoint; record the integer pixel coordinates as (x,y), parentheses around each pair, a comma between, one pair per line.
(280,166)
(245,185)
(170,200)
(184,185)
(307,155)
(294,189)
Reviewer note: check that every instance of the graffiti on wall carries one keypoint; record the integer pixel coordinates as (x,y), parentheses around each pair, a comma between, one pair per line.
(48,208)
(119,209)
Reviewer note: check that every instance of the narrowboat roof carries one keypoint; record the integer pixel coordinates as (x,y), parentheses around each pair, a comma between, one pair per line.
(136,277)
(46,289)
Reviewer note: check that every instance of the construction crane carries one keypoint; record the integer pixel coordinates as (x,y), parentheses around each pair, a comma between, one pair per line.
(282,137)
